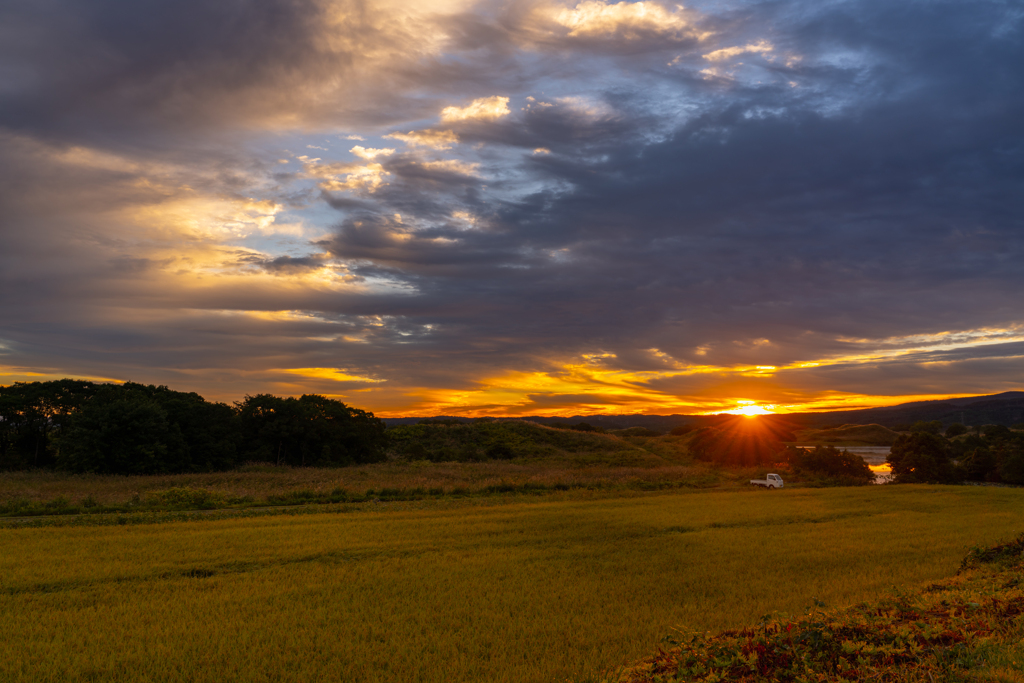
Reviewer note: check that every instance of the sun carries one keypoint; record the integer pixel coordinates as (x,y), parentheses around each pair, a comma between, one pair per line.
(751,409)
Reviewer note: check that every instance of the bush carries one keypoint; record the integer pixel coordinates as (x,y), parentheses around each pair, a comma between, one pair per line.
(636,431)
(1012,468)
(500,451)
(831,462)
(933,427)
(995,432)
(955,429)
(578,427)
(979,464)
(184,498)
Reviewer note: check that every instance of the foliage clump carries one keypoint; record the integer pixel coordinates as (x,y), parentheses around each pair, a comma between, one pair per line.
(578,427)
(132,428)
(636,431)
(994,453)
(830,462)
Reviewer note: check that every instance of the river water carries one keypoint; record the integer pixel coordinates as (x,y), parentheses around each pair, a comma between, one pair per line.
(875,457)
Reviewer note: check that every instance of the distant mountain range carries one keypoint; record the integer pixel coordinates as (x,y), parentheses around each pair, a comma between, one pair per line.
(1003,409)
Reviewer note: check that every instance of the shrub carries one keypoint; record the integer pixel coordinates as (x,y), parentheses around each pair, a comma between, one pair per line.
(184,498)
(933,427)
(636,431)
(993,432)
(682,430)
(955,429)
(830,461)
(1011,467)
(500,451)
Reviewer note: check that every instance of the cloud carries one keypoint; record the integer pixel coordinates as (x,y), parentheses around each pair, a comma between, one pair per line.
(333,374)
(481,109)
(456,166)
(631,19)
(856,234)
(434,139)
(338,177)
(290,264)
(722,54)
(371,153)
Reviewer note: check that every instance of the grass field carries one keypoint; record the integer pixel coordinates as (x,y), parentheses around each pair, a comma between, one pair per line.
(584,461)
(529,590)
(262,482)
(968,628)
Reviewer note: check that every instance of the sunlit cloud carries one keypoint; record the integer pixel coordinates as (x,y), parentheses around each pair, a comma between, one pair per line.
(586,107)
(482,109)
(632,19)
(452,166)
(760,47)
(339,177)
(333,374)
(204,216)
(434,139)
(11,374)
(371,153)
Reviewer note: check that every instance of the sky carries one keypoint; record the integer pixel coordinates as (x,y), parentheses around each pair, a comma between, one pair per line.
(516,208)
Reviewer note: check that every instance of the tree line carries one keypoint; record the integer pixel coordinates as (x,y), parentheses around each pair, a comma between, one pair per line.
(82,426)
(993,453)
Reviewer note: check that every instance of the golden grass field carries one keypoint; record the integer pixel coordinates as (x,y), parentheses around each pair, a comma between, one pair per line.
(518,589)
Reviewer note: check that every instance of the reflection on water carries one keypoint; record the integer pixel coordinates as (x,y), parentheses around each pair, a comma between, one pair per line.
(875,457)
(883,473)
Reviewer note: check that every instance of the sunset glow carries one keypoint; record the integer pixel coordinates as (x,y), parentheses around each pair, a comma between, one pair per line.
(750,409)
(476,208)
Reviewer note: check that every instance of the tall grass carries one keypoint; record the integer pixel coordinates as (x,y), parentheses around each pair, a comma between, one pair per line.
(527,591)
(263,482)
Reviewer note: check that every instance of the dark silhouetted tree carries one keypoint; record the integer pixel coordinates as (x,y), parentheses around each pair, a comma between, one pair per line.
(32,417)
(311,430)
(921,457)
(831,462)
(955,429)
(121,431)
(933,427)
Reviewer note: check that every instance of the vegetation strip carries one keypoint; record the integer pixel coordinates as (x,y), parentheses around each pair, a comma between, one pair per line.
(952,631)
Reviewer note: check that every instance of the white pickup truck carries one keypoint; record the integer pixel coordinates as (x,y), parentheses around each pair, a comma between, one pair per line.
(772,481)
